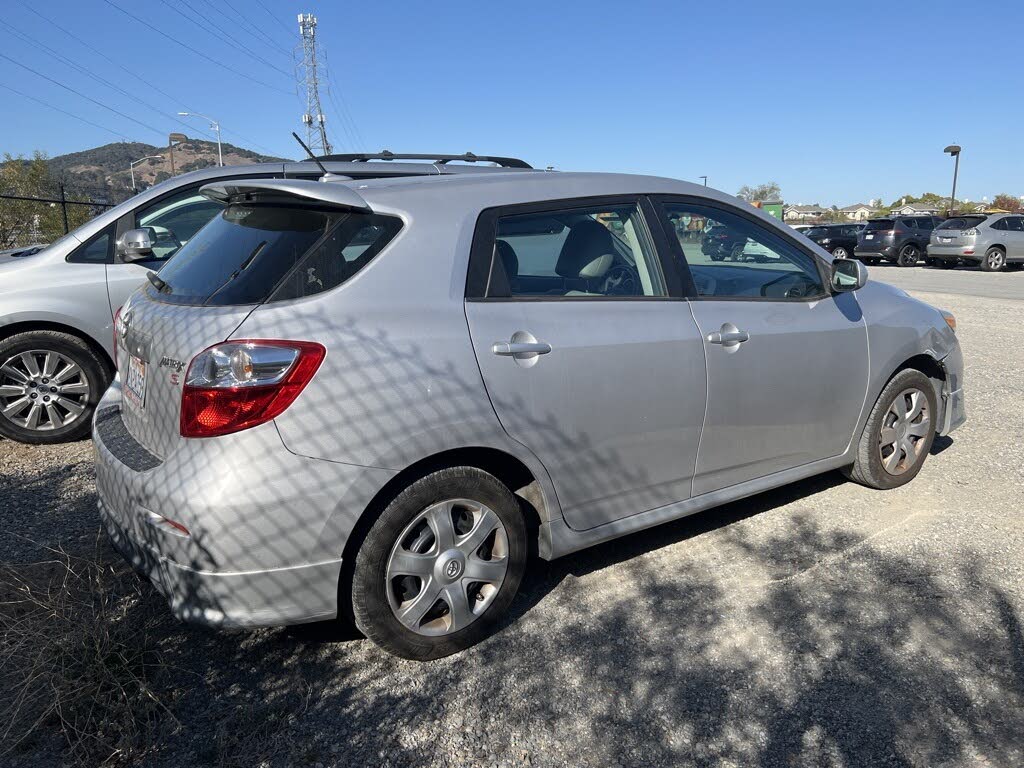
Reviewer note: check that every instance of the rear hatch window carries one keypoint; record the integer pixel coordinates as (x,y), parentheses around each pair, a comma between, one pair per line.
(876,224)
(257,252)
(962,222)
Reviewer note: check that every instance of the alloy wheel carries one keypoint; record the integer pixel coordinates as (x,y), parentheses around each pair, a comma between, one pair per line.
(42,390)
(996,259)
(840,253)
(447,566)
(904,432)
(908,256)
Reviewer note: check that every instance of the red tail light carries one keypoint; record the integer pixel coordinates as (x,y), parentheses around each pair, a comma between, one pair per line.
(241,384)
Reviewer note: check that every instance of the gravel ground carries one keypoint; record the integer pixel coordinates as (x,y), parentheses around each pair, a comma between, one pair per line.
(822,624)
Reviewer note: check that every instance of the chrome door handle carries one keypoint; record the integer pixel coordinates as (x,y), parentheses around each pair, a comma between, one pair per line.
(512,348)
(728,338)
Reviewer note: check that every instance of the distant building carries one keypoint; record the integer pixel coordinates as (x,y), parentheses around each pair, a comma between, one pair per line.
(799,213)
(916,209)
(858,212)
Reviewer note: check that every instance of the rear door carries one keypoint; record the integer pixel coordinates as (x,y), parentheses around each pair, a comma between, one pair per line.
(787,362)
(1014,237)
(591,358)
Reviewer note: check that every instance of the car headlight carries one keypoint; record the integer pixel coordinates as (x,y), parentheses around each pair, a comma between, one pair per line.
(949,318)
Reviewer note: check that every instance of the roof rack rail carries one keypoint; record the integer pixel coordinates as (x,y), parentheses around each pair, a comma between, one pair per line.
(468,157)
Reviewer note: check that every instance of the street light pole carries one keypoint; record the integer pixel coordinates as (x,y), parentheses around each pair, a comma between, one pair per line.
(213,124)
(131,166)
(954,150)
(705,179)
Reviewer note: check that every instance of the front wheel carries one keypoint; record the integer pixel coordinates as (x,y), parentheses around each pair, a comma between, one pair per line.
(909,255)
(441,565)
(50,383)
(995,259)
(898,434)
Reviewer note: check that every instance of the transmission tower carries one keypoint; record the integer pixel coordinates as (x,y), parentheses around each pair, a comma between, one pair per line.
(313,119)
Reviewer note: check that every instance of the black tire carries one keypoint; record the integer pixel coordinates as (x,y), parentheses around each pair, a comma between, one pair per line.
(868,468)
(994,261)
(370,606)
(909,255)
(95,369)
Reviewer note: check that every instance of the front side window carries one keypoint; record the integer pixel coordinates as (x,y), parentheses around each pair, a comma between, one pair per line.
(176,219)
(576,253)
(738,258)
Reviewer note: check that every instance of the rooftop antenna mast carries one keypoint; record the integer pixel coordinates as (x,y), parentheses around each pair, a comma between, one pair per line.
(313,119)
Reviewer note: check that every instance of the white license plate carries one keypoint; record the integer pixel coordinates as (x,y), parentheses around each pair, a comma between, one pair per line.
(135,382)
(946,239)
(869,237)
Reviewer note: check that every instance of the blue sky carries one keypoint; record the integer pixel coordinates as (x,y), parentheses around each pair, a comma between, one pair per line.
(834,101)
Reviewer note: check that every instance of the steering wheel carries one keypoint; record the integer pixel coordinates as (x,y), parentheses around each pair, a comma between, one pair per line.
(621,280)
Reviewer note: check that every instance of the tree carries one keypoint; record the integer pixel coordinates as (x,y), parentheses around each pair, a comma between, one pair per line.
(23,222)
(1007,202)
(762,192)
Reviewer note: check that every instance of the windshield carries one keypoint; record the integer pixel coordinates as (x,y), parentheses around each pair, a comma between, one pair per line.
(250,250)
(879,224)
(962,222)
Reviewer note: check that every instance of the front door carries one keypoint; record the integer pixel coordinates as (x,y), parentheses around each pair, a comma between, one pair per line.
(787,361)
(588,360)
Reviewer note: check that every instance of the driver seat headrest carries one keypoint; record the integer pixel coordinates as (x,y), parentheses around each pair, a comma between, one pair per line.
(587,252)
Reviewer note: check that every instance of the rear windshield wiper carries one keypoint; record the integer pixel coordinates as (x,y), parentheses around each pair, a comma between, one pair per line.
(159,283)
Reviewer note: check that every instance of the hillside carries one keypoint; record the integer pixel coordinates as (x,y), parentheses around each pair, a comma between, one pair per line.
(104,172)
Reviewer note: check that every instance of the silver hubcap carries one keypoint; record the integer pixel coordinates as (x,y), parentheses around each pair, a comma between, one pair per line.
(839,253)
(995,259)
(905,430)
(42,390)
(447,567)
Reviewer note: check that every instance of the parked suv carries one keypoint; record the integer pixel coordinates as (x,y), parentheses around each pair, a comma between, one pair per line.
(899,239)
(838,239)
(991,241)
(57,307)
(377,397)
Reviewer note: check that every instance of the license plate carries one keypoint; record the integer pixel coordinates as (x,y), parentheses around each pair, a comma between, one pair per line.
(135,382)
(869,237)
(946,239)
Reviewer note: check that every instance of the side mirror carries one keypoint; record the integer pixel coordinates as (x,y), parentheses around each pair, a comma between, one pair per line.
(848,275)
(136,244)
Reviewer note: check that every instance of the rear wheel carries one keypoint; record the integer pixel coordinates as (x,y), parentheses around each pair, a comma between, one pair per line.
(898,434)
(839,252)
(995,259)
(441,565)
(50,383)
(909,255)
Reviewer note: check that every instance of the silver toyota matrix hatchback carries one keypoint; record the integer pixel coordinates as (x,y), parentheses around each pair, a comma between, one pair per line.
(376,397)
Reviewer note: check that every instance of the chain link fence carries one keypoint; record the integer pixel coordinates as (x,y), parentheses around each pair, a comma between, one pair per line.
(43,217)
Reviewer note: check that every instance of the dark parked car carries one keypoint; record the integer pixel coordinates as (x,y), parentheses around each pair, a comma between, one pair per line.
(902,240)
(838,239)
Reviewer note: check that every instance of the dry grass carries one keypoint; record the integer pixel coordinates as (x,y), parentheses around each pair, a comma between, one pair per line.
(78,658)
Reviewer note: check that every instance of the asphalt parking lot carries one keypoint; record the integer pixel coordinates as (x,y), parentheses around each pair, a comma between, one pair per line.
(822,624)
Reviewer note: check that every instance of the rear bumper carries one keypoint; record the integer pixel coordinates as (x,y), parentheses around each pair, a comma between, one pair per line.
(265,528)
(875,252)
(952,252)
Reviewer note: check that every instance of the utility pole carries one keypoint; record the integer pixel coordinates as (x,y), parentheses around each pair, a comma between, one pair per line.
(313,118)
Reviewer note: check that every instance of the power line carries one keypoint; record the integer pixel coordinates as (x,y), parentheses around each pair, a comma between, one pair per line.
(275,18)
(343,113)
(64,111)
(137,76)
(253,29)
(82,95)
(188,47)
(32,41)
(229,38)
